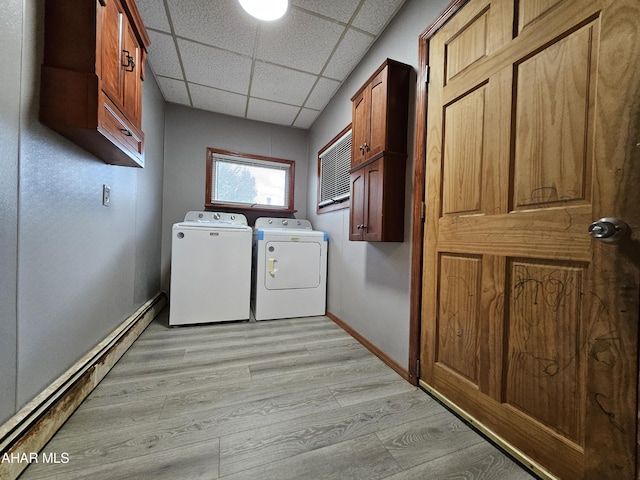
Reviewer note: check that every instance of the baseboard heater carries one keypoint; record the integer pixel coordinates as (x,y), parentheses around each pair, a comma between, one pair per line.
(29,430)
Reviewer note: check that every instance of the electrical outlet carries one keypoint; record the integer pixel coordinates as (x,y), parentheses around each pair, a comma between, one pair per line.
(106,195)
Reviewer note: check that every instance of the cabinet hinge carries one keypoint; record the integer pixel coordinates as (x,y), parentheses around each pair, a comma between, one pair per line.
(422,210)
(427,74)
(418,368)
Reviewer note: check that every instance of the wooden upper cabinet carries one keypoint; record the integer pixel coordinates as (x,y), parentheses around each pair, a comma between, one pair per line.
(378,155)
(91,88)
(379,113)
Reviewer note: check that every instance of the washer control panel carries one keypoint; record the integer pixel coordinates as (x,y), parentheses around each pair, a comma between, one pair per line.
(216,217)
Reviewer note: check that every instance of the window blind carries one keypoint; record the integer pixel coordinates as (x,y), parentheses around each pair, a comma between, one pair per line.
(334,171)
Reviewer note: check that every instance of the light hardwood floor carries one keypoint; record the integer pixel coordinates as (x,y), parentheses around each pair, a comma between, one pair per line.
(284,399)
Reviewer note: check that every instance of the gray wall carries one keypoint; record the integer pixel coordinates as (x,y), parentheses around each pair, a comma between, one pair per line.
(369,283)
(73,269)
(188,134)
(10,54)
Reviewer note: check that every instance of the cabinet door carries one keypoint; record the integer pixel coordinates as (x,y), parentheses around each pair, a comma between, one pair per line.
(357,209)
(373,201)
(377,140)
(132,88)
(110,69)
(360,128)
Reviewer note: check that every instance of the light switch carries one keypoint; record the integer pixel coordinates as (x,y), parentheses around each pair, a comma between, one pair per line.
(106,195)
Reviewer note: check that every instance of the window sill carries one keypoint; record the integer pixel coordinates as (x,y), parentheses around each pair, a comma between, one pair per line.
(333,207)
(241,207)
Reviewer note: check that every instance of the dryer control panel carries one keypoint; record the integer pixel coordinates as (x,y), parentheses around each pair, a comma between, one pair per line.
(265,223)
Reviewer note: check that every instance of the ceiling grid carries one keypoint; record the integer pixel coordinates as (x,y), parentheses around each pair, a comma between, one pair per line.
(213,56)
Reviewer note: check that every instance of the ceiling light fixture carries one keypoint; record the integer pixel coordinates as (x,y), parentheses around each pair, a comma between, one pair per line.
(267,10)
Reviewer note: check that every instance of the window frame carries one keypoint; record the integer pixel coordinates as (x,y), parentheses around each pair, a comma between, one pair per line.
(208,203)
(346,203)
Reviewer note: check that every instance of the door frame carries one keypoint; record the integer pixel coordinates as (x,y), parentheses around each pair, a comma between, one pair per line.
(417,234)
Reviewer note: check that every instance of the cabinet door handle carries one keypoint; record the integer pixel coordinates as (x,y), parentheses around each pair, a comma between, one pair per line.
(131,64)
(366,146)
(361,148)
(126,132)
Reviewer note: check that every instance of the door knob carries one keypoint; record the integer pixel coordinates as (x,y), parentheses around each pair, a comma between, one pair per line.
(609,230)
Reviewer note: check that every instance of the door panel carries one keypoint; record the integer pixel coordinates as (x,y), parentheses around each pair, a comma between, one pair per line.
(361,129)
(373,201)
(545,343)
(459,305)
(378,97)
(529,325)
(356,211)
(469,45)
(110,71)
(530,10)
(463,156)
(553,135)
(132,96)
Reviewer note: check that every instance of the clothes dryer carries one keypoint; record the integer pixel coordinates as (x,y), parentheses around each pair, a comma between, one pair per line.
(290,269)
(210,268)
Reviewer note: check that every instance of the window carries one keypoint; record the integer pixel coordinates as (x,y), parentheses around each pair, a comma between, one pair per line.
(249,181)
(334,162)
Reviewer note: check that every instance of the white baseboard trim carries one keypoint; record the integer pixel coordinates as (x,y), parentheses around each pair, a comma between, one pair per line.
(29,430)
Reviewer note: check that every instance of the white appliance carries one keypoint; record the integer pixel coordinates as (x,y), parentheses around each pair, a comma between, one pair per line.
(210,268)
(290,269)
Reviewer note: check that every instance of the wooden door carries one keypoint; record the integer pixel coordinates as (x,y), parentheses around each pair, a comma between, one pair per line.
(361,128)
(529,326)
(378,95)
(131,72)
(111,31)
(373,201)
(356,210)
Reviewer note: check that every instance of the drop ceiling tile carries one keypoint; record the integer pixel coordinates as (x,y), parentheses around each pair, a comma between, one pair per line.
(215,100)
(306,118)
(153,14)
(163,56)
(174,91)
(222,24)
(271,112)
(215,68)
(341,11)
(300,40)
(280,84)
(322,93)
(350,51)
(375,14)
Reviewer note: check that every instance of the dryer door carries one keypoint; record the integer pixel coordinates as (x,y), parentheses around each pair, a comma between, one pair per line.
(292,265)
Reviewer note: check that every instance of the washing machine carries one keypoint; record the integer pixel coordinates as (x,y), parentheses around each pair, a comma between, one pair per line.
(210,268)
(290,269)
